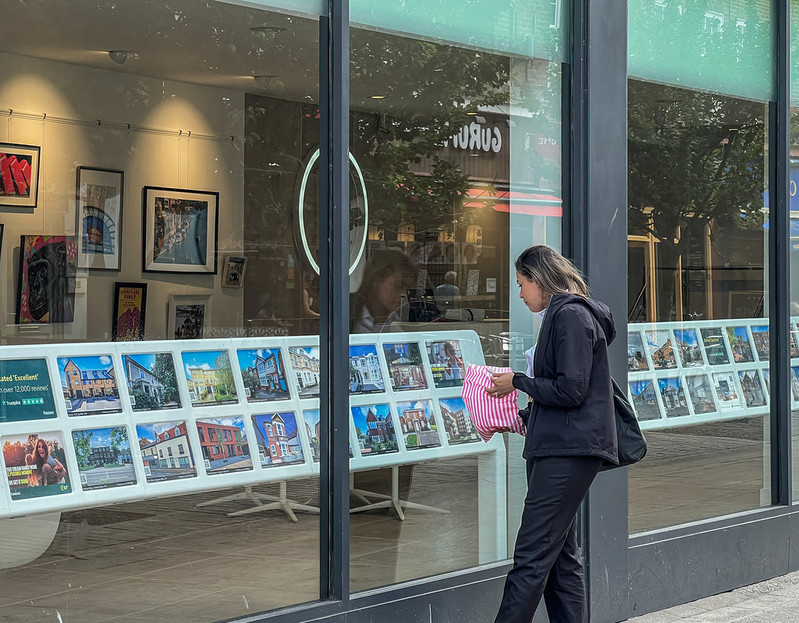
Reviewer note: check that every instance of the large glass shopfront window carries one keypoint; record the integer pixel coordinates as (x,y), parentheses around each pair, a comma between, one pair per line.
(457,132)
(793,172)
(156,462)
(698,351)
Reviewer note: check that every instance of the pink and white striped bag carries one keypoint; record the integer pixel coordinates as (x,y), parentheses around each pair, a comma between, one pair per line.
(490,414)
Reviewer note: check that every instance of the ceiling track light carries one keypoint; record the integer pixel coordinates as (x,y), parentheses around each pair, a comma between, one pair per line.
(263,81)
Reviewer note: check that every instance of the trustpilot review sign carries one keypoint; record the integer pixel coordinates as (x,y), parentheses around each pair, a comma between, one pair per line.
(25,391)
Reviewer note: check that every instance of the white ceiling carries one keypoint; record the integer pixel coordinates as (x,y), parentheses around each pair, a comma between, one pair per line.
(196,41)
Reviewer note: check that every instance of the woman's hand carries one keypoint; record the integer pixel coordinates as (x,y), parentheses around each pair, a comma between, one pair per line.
(503,385)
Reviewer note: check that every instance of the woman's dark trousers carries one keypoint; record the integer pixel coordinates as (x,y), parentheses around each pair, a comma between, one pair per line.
(546,560)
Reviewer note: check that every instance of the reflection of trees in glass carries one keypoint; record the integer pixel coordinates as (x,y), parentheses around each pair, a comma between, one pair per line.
(429,90)
(224,376)
(696,159)
(83,448)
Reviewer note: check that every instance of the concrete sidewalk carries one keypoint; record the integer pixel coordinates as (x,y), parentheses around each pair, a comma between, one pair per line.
(772,601)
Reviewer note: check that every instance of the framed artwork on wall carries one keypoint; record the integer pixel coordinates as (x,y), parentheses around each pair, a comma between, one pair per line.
(189,314)
(233,271)
(99,227)
(129,305)
(19,175)
(47,267)
(180,230)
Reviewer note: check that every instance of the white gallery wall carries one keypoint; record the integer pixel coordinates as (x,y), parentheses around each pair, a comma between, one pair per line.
(181,136)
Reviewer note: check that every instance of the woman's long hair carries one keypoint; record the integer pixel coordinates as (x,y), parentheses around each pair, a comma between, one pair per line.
(551,271)
(40,461)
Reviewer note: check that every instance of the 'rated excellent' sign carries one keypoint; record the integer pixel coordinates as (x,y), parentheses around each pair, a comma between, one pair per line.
(25,391)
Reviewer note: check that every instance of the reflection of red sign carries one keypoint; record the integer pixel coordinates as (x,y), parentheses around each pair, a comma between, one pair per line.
(546,146)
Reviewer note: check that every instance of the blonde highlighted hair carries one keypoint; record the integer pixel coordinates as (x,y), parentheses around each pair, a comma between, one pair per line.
(551,271)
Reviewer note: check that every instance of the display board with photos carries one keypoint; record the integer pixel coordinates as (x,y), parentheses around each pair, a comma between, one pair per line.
(683,373)
(86,425)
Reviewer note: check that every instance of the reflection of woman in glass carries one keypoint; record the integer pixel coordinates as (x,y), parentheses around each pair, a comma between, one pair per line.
(377,303)
(453,368)
(51,472)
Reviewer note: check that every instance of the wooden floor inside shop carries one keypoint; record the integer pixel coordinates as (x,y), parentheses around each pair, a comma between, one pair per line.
(167,560)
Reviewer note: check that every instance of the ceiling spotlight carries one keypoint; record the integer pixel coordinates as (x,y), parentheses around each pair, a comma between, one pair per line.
(118,56)
(262,81)
(267,29)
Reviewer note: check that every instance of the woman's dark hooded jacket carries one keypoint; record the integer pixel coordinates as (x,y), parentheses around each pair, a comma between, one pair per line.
(572,410)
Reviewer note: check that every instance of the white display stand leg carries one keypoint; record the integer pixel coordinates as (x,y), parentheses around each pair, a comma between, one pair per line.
(391,501)
(272,502)
(26,538)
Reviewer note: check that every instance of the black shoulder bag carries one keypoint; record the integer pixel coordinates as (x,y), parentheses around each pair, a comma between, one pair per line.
(632,445)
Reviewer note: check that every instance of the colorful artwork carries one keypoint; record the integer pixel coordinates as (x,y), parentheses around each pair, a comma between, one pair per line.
(209,377)
(104,458)
(405,366)
(446,363)
(129,302)
(89,385)
(36,465)
(278,439)
(223,444)
(166,451)
(418,424)
(374,429)
(264,374)
(99,218)
(47,268)
(19,175)
(151,381)
(365,374)
(305,365)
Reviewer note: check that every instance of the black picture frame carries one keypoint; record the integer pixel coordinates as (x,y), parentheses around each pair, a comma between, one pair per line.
(180,230)
(19,175)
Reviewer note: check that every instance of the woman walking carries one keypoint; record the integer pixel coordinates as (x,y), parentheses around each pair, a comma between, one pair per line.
(570,432)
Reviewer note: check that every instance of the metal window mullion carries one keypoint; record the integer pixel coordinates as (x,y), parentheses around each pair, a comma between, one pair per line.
(779,265)
(334,300)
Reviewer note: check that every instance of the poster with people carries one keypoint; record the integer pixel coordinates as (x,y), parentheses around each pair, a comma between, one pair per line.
(446,363)
(35,465)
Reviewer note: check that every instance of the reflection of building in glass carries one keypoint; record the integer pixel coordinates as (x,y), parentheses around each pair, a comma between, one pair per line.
(673,397)
(761,341)
(740,347)
(202,382)
(305,367)
(88,383)
(645,400)
(456,423)
(636,359)
(142,379)
(689,352)
(663,357)
(313,435)
(219,441)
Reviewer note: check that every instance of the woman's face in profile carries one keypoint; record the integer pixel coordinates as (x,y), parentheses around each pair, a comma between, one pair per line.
(531,293)
(388,295)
